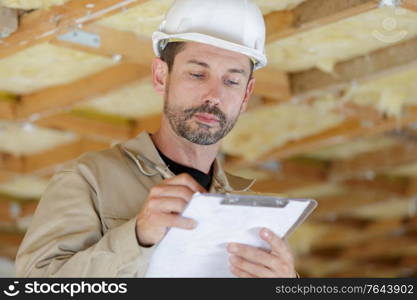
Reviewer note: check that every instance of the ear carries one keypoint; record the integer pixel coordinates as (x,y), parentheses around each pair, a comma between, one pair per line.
(248,93)
(159,75)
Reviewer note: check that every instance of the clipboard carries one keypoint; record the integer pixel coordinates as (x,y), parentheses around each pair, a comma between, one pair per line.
(222,219)
(256,200)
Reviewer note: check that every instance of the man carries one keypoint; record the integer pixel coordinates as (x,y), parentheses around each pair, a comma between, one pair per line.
(105,214)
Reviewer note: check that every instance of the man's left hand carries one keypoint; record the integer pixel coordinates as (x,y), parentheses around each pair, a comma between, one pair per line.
(251,262)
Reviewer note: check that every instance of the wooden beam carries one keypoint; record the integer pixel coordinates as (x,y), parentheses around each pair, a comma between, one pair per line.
(7,110)
(9,243)
(120,129)
(348,130)
(124,45)
(7,105)
(44,25)
(63,96)
(273,84)
(315,13)
(25,164)
(410,4)
(8,21)
(88,126)
(13,208)
(376,161)
(379,63)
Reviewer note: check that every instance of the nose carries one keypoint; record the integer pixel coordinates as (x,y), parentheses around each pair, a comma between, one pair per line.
(214,93)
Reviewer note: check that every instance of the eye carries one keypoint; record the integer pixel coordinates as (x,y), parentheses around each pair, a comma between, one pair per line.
(195,75)
(231,82)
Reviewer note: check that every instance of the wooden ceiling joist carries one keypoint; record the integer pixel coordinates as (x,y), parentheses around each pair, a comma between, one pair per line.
(88,126)
(44,25)
(382,62)
(59,97)
(25,164)
(410,4)
(121,45)
(380,160)
(313,13)
(348,130)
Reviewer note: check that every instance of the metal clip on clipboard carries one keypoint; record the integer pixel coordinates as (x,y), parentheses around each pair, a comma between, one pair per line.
(257,200)
(252,200)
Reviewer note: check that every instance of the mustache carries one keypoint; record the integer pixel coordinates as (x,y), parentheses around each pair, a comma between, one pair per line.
(205,108)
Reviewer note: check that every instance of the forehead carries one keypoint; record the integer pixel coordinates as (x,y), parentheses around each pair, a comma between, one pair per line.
(213,56)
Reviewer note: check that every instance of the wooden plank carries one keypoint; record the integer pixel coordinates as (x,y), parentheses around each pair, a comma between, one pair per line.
(376,161)
(8,21)
(273,84)
(26,164)
(348,130)
(124,45)
(9,243)
(7,110)
(56,98)
(276,22)
(410,4)
(88,126)
(314,13)
(14,208)
(7,105)
(149,123)
(379,63)
(44,25)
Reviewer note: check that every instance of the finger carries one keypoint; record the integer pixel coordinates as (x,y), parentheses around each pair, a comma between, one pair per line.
(186,180)
(168,204)
(278,246)
(171,220)
(176,191)
(249,267)
(240,273)
(252,254)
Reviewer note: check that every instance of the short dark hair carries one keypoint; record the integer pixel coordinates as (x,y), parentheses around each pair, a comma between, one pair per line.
(172,49)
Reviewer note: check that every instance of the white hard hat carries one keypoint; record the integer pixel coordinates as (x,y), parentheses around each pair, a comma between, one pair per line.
(235,25)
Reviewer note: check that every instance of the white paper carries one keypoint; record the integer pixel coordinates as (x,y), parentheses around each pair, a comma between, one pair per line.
(202,252)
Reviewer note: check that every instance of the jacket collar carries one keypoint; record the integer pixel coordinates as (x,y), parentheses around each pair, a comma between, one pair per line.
(222,181)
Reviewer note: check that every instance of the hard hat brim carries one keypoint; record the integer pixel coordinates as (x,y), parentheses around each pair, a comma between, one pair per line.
(258,57)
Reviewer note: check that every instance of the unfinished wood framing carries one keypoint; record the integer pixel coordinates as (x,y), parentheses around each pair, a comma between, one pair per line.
(273,84)
(380,63)
(93,127)
(374,161)
(121,45)
(44,25)
(60,97)
(314,13)
(347,131)
(26,164)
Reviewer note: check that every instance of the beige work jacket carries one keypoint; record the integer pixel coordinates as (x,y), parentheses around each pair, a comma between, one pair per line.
(84,225)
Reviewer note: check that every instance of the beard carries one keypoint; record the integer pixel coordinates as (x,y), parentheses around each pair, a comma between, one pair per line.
(181,122)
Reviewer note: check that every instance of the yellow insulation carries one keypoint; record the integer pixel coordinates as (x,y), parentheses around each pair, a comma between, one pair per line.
(31,4)
(324,46)
(27,139)
(352,149)
(46,65)
(24,187)
(261,130)
(389,94)
(132,101)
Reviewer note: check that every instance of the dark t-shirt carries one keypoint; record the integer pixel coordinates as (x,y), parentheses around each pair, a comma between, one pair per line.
(202,178)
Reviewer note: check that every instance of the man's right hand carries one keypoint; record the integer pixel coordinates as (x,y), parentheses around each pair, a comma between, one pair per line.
(162,209)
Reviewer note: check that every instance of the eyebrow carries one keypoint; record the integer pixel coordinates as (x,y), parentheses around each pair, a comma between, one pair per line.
(205,65)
